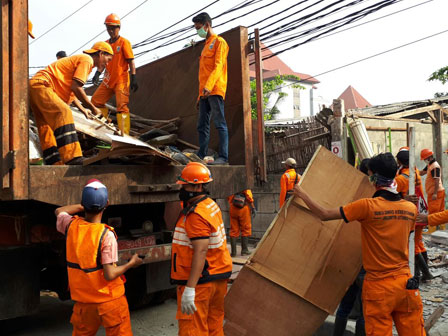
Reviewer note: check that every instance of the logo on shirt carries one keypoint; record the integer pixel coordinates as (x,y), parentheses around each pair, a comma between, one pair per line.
(118,48)
(212,44)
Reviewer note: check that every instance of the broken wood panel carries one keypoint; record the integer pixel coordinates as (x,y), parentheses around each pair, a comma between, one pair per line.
(257,306)
(169,88)
(314,261)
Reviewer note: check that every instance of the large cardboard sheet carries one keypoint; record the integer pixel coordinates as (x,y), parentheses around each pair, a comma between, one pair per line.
(314,261)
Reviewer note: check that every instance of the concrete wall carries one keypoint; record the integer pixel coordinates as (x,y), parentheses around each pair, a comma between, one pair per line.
(266,200)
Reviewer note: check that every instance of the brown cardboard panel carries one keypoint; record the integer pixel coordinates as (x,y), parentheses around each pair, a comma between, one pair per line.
(257,306)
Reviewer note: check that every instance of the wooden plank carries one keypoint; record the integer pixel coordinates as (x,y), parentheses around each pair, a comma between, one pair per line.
(432,319)
(260,108)
(317,137)
(19,98)
(386,129)
(419,110)
(390,118)
(438,133)
(183,142)
(313,261)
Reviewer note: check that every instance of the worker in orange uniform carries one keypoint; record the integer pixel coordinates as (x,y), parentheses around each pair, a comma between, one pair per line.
(200,261)
(288,180)
(116,78)
(241,209)
(30,29)
(433,185)
(96,282)
(212,88)
(389,292)
(51,92)
(402,180)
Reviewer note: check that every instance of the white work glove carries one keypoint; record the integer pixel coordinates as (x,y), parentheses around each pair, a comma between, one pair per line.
(187,301)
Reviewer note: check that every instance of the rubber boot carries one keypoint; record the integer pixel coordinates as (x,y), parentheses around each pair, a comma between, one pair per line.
(417,273)
(360,329)
(339,326)
(124,122)
(244,244)
(233,246)
(426,274)
(104,111)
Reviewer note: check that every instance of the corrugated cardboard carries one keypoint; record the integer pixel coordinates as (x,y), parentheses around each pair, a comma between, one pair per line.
(307,262)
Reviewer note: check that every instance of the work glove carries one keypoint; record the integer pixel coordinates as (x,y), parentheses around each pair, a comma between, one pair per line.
(187,301)
(253,212)
(96,78)
(134,85)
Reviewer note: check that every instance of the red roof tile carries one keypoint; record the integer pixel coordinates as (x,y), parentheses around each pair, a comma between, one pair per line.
(353,99)
(275,66)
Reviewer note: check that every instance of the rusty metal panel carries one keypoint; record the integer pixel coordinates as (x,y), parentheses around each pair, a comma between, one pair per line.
(61,185)
(152,254)
(18,110)
(169,88)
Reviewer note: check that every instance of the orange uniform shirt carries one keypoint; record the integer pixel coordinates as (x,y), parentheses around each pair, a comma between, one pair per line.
(247,193)
(213,66)
(430,183)
(61,73)
(403,181)
(385,229)
(287,183)
(438,218)
(117,69)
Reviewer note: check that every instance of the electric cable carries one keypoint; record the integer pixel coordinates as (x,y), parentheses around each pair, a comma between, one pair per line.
(57,24)
(135,8)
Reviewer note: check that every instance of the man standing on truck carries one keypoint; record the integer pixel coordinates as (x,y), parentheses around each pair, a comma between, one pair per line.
(96,282)
(241,209)
(433,184)
(116,79)
(200,261)
(51,92)
(212,88)
(389,292)
(288,180)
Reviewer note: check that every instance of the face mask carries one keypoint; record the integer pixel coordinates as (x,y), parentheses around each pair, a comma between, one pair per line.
(201,32)
(185,196)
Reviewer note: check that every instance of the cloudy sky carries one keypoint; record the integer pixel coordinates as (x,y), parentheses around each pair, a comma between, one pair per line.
(400,75)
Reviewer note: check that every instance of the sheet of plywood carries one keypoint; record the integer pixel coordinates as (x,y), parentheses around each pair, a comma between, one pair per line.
(314,261)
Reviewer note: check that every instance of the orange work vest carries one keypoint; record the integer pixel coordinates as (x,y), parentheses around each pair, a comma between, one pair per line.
(218,264)
(430,184)
(85,271)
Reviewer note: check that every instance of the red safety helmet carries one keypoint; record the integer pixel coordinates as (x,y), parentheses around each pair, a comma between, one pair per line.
(112,20)
(403,149)
(195,173)
(425,153)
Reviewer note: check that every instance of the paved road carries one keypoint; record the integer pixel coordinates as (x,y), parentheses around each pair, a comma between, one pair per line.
(54,316)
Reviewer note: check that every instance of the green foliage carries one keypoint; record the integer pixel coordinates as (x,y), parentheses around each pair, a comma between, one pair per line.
(270,87)
(440,75)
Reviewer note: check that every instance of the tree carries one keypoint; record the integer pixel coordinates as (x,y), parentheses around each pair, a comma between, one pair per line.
(440,75)
(270,87)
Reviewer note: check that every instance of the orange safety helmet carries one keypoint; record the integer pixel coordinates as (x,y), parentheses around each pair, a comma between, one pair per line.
(112,20)
(425,153)
(403,149)
(195,173)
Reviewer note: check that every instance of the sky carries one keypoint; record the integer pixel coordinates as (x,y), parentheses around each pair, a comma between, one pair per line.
(400,75)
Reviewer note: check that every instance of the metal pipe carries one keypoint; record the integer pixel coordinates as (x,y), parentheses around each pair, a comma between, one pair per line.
(411,192)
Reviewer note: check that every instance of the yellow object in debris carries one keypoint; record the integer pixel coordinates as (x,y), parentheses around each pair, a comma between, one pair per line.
(124,122)
(104,111)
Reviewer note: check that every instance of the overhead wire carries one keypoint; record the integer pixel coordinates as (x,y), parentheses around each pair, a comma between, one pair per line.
(131,11)
(366,58)
(57,24)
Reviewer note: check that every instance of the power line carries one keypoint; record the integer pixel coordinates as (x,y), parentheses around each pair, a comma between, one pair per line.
(142,3)
(57,24)
(283,41)
(368,57)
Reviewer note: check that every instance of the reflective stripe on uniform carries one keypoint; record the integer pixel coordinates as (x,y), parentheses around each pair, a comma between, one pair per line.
(65,135)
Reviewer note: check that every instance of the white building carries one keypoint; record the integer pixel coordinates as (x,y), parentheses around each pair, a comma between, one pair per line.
(297,103)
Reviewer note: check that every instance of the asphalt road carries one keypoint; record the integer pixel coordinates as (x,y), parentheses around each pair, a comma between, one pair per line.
(53,319)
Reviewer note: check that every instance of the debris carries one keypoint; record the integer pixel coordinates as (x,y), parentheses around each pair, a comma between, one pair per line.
(440,237)
(444,277)
(433,318)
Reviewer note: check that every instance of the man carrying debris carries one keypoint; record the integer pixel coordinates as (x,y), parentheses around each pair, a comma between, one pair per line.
(119,77)
(402,179)
(51,92)
(241,209)
(95,281)
(200,261)
(288,180)
(433,185)
(389,294)
(212,88)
